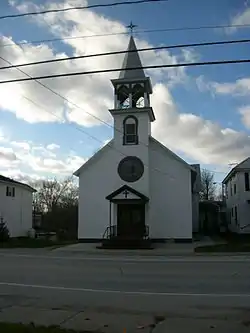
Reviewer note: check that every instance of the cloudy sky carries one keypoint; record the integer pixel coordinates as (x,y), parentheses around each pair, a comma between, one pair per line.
(202,113)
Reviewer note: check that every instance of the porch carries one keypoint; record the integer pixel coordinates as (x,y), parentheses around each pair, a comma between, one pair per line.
(127,216)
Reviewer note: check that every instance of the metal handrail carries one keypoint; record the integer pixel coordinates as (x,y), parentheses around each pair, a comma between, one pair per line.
(245,226)
(111,231)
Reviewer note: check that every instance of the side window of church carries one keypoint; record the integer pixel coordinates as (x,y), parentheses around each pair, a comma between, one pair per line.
(130,131)
(10,191)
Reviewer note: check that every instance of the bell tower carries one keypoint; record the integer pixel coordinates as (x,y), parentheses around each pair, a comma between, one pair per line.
(132,115)
(132,111)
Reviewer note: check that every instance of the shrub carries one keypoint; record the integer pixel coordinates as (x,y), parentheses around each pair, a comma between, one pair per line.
(4,231)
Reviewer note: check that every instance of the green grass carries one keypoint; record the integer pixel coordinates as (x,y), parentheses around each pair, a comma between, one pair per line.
(20,328)
(33,243)
(230,247)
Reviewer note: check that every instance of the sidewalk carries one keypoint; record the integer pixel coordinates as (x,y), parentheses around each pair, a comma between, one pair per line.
(159,250)
(187,320)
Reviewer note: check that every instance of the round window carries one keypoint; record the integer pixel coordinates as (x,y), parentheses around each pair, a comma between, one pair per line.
(130,169)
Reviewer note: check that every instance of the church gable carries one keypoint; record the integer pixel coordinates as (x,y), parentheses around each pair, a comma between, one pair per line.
(126,193)
(94,158)
(170,153)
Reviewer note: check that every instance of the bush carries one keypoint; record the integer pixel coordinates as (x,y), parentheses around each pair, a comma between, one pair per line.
(4,231)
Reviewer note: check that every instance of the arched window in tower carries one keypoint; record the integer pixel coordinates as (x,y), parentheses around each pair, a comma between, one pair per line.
(130,130)
(138,96)
(123,97)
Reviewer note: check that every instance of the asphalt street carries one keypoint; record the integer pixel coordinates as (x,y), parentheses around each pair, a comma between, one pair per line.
(151,284)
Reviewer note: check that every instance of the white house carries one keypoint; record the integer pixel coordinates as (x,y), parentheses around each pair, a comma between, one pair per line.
(237,191)
(16,206)
(135,183)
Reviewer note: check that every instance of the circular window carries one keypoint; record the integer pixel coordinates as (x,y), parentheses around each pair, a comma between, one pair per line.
(130,169)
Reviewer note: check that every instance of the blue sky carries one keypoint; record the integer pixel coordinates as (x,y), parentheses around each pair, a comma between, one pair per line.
(200,91)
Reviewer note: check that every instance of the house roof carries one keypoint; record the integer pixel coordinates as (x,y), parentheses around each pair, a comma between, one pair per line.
(110,145)
(242,166)
(126,188)
(178,158)
(131,60)
(14,182)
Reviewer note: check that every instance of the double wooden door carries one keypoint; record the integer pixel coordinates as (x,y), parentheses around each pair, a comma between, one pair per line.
(131,221)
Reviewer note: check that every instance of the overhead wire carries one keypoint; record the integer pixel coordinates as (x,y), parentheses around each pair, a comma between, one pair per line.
(188,64)
(118,52)
(135,32)
(48,11)
(92,115)
(48,61)
(86,133)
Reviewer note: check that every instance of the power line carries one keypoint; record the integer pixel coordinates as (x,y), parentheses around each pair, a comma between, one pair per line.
(214,171)
(188,64)
(125,33)
(93,137)
(90,114)
(79,8)
(69,101)
(225,42)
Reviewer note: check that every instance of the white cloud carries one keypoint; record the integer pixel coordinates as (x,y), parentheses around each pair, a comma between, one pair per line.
(53,146)
(196,137)
(57,166)
(23,145)
(79,89)
(241,18)
(245,115)
(240,87)
(7,154)
(200,139)
(40,160)
(20,176)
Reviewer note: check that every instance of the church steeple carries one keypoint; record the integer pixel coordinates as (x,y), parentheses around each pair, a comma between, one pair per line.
(132,111)
(133,88)
(132,60)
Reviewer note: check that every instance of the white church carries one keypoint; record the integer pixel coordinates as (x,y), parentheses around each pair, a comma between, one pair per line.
(135,188)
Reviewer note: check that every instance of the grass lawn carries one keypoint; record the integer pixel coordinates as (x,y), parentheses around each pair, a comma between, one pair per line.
(229,247)
(20,328)
(33,243)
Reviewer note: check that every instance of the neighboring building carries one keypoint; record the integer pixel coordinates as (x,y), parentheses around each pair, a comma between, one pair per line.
(212,217)
(237,193)
(16,206)
(196,187)
(134,184)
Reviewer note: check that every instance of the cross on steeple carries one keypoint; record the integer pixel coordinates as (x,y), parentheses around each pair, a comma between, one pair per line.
(131,27)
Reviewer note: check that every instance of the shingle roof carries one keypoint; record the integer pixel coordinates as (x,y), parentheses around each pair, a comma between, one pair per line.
(10,180)
(131,60)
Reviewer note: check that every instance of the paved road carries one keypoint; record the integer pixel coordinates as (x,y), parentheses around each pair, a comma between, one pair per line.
(141,284)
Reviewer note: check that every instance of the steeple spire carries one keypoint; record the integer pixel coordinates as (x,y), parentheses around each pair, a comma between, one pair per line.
(131,60)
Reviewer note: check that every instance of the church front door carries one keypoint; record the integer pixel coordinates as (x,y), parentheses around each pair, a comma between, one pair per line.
(130,221)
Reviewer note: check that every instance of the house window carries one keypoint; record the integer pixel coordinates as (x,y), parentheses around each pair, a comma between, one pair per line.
(234,188)
(130,131)
(231,189)
(247,188)
(235,215)
(10,191)
(232,211)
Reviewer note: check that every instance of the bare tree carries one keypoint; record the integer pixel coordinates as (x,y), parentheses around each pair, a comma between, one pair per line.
(208,187)
(58,201)
(54,193)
